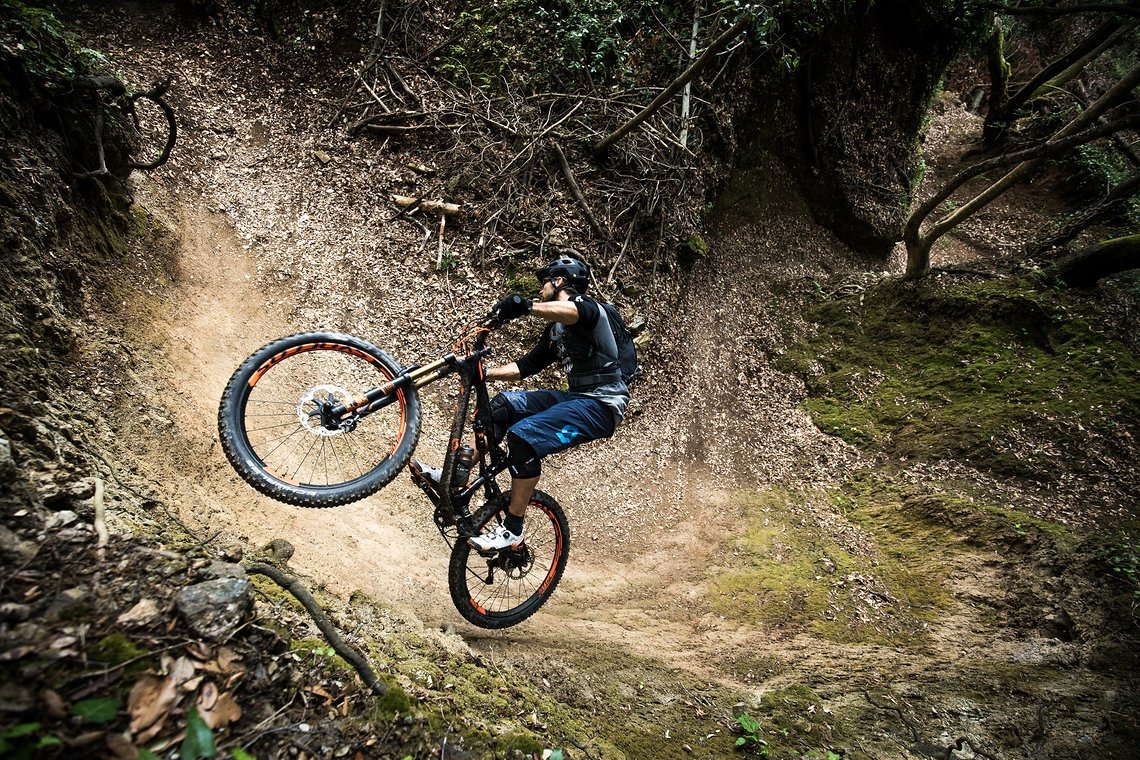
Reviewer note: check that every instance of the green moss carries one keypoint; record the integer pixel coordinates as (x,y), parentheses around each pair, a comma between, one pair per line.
(116,649)
(786,573)
(1002,376)
(275,594)
(320,649)
(394,702)
(522,741)
(793,722)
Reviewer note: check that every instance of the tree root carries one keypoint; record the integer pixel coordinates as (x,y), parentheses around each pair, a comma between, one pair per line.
(293,585)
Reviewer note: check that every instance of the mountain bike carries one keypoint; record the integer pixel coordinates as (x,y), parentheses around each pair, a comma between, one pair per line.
(323,419)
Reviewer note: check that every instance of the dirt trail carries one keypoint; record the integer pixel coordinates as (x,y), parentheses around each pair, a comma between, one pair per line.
(215,315)
(644,594)
(274,241)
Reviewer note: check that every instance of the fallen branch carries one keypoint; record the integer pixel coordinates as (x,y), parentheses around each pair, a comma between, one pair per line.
(439,256)
(441,207)
(576,191)
(732,33)
(292,584)
(624,248)
(393,129)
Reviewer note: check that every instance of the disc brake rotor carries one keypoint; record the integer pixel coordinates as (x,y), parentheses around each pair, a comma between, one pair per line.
(517,562)
(309,407)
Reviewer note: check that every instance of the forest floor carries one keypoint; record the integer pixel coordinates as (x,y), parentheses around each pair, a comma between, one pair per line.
(727,555)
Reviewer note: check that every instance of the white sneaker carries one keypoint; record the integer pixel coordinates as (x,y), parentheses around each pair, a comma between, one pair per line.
(497,539)
(431,474)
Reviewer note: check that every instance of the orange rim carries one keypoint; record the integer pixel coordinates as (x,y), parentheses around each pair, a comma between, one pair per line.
(281,356)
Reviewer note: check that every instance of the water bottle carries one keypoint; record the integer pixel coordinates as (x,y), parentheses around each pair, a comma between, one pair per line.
(464,459)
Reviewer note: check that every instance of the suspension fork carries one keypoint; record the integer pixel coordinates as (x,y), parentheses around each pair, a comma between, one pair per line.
(383,395)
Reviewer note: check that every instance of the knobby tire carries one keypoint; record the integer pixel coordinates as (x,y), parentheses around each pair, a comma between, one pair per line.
(509,601)
(276,447)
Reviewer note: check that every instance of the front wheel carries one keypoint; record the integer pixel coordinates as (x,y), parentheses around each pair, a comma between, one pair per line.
(507,587)
(276,431)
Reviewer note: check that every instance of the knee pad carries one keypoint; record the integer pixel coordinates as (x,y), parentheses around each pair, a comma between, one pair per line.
(521,459)
(502,414)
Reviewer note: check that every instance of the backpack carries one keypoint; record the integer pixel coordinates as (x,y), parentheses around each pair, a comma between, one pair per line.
(627,351)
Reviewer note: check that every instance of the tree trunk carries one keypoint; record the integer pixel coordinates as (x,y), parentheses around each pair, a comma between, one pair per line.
(997,120)
(1077,129)
(1087,267)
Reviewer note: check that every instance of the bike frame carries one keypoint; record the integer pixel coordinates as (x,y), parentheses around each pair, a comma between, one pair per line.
(451,507)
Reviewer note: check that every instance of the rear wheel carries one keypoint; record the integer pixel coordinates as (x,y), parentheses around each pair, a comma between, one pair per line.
(505,588)
(276,432)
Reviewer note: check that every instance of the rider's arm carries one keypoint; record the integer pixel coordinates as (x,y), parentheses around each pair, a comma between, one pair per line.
(505,372)
(565,312)
(537,359)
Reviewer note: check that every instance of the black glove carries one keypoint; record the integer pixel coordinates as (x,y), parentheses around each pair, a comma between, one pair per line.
(512,306)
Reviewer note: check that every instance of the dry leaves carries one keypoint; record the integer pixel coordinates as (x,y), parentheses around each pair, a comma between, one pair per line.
(152,698)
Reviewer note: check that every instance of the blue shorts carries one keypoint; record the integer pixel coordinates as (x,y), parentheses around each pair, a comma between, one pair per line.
(551,421)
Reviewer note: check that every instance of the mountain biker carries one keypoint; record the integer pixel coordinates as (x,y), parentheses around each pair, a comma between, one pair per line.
(539,423)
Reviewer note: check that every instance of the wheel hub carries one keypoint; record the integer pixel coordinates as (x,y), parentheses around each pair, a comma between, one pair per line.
(314,410)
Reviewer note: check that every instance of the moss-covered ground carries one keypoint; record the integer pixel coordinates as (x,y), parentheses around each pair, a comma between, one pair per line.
(1008,377)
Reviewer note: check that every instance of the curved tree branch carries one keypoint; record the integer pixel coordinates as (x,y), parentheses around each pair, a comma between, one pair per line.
(918,245)
(155,94)
(1048,149)
(293,585)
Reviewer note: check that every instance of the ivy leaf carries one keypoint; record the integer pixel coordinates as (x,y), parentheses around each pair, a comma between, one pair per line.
(241,754)
(97,710)
(146,754)
(199,741)
(23,729)
(49,741)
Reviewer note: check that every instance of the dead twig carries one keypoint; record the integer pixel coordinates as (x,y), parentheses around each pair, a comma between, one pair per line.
(440,207)
(624,248)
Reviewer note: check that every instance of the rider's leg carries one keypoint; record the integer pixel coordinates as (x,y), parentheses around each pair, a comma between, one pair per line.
(525,467)
(521,491)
